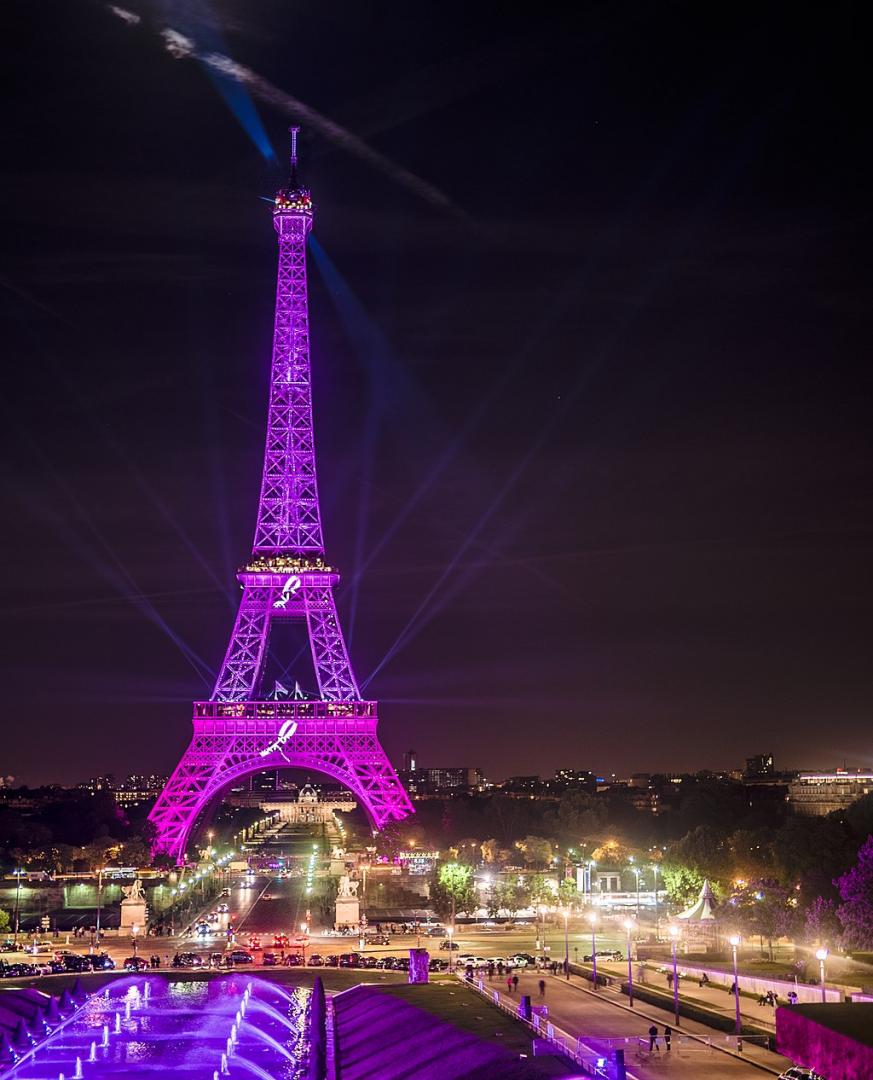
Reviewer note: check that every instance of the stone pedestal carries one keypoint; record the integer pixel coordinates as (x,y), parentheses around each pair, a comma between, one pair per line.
(348,911)
(134,913)
(419,965)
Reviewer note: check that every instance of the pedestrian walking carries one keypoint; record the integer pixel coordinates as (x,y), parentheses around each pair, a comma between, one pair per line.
(668,1035)
(514,982)
(653,1039)
(670,979)
(509,984)
(542,987)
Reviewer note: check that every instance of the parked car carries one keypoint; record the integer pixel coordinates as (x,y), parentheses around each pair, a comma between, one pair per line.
(436,963)
(365,961)
(270,959)
(293,960)
(240,956)
(349,960)
(605,954)
(315,960)
(187,960)
(799,1073)
(74,962)
(386,963)
(136,963)
(332,960)
(449,944)
(520,960)
(17,971)
(101,962)
(380,939)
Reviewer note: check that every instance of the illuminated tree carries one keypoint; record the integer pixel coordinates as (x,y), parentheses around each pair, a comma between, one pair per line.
(452,890)
(567,892)
(856,890)
(537,851)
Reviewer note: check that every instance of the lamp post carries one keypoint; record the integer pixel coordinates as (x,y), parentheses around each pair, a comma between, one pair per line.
(655,869)
(629,925)
(567,942)
(592,918)
(738,1024)
(821,955)
(99,898)
(674,937)
(18,874)
(134,930)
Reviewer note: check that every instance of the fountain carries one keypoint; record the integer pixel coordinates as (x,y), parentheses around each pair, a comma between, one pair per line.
(223,1027)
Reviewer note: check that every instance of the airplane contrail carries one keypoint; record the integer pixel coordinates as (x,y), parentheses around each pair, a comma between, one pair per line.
(181,47)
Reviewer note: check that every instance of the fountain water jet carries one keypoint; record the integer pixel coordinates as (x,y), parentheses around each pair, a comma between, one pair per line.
(230,1047)
(105,1040)
(118,1023)
(127,1009)
(267,1038)
(92,1056)
(77,1075)
(225,1071)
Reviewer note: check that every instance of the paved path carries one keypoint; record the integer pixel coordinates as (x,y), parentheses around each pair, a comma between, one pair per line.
(601,1016)
(714,997)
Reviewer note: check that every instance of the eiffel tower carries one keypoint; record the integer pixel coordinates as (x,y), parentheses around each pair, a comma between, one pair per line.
(241,730)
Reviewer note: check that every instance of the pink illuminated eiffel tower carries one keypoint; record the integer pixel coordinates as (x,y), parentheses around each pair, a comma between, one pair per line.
(238,731)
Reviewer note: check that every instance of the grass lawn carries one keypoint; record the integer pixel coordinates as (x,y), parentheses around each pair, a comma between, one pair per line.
(467,1010)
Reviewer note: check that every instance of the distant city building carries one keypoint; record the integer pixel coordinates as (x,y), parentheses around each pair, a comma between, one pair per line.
(759,766)
(576,778)
(523,785)
(822,792)
(409,761)
(439,780)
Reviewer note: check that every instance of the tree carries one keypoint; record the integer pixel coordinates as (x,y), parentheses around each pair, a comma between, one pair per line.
(821,925)
(452,890)
(537,851)
(703,849)
(856,891)
(5,925)
(682,883)
(511,897)
(766,909)
(567,892)
(489,850)
(538,890)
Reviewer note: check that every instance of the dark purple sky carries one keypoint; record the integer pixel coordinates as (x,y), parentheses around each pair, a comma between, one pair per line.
(616,416)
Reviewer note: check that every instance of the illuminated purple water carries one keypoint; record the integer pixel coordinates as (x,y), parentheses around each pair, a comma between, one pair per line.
(188,1028)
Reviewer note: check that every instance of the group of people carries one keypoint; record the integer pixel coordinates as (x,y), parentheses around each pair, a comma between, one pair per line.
(654,1036)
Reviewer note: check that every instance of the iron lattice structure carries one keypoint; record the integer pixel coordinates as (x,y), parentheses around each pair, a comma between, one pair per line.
(238,732)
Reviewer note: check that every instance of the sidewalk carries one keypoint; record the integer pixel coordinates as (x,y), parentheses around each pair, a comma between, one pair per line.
(600,1016)
(715,998)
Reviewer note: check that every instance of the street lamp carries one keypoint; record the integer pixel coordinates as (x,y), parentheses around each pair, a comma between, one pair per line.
(18,874)
(734,939)
(821,955)
(567,942)
(629,925)
(674,937)
(656,868)
(592,918)
(134,930)
(99,898)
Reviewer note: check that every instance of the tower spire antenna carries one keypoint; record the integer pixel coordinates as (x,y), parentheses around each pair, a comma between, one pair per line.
(293,131)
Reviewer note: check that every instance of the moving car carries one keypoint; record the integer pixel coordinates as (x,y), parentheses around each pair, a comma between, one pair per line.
(135,963)
(101,962)
(449,944)
(73,962)
(605,954)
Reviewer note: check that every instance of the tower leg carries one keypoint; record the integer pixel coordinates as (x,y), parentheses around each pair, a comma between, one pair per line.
(222,751)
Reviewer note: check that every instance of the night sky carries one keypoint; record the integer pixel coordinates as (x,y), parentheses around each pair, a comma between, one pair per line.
(591,348)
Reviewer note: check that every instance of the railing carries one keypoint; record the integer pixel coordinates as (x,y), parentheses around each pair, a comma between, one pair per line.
(580,1051)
